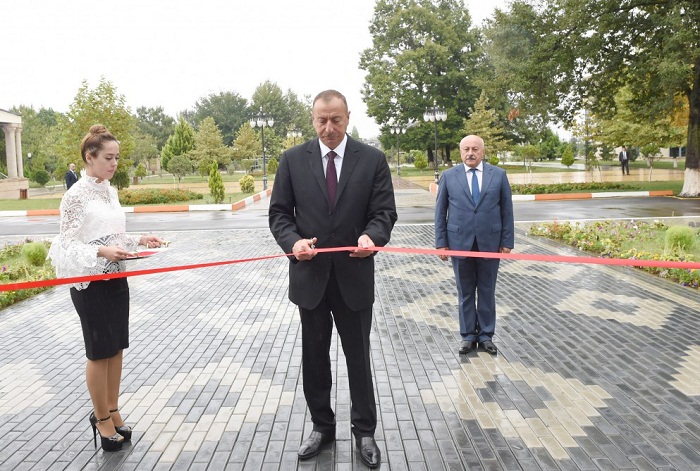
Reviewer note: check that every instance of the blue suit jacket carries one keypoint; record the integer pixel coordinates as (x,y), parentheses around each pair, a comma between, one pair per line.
(458,221)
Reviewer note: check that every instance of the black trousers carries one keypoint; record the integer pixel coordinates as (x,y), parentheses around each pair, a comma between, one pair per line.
(354,330)
(625,165)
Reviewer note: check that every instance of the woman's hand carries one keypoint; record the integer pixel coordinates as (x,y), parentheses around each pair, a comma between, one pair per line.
(150,241)
(113,253)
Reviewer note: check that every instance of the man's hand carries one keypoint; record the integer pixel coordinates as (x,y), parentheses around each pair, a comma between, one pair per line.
(304,249)
(362,243)
(443,257)
(504,250)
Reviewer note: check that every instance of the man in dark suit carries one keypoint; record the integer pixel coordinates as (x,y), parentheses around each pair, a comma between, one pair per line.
(474,212)
(334,191)
(624,160)
(71,176)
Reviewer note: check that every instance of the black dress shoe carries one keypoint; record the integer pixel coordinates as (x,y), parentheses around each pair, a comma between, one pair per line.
(489,347)
(312,446)
(466,347)
(369,451)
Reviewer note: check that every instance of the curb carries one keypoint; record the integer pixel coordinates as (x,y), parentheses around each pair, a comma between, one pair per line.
(181,208)
(173,208)
(579,196)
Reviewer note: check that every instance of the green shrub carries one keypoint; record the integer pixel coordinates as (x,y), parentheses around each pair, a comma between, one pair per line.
(41,176)
(35,253)
(216,184)
(247,183)
(494,160)
(421,161)
(156,196)
(680,238)
(140,170)
(272,165)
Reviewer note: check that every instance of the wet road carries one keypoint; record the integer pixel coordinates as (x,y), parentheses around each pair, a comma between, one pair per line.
(255,216)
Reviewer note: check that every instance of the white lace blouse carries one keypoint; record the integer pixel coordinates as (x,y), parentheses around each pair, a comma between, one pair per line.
(90,216)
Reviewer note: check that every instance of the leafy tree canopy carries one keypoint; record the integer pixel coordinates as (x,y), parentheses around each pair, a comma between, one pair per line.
(100,105)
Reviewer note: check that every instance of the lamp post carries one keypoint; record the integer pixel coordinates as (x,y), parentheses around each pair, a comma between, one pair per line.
(435,114)
(261,120)
(294,133)
(398,129)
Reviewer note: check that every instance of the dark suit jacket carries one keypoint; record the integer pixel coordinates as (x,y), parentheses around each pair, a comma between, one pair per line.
(458,221)
(71,178)
(619,156)
(299,208)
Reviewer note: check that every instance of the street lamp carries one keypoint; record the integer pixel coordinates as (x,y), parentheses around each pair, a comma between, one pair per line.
(398,129)
(435,114)
(294,133)
(261,120)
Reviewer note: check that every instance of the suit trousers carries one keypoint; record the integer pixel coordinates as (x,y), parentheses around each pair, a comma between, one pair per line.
(476,290)
(625,165)
(354,331)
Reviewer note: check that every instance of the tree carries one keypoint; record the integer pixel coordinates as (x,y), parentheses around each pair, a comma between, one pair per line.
(247,144)
(216,184)
(228,109)
(122,177)
(155,123)
(101,105)
(179,143)
(484,123)
(567,157)
(180,165)
(145,149)
(424,52)
(39,138)
(140,171)
(584,51)
(209,147)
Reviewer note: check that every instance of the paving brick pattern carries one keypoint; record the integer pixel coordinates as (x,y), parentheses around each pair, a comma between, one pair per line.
(599,369)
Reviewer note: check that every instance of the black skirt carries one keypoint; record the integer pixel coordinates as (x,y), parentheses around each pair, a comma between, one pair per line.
(103,308)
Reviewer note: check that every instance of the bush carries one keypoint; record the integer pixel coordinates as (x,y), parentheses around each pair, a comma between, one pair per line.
(140,170)
(42,177)
(494,160)
(247,183)
(216,184)
(421,161)
(156,196)
(680,238)
(272,165)
(35,253)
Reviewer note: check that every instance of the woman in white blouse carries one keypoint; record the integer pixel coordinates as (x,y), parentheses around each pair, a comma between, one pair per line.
(93,241)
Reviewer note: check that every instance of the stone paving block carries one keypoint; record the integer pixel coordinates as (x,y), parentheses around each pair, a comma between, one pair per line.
(586,378)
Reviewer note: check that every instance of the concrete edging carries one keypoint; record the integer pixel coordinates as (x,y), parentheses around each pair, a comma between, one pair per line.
(175,208)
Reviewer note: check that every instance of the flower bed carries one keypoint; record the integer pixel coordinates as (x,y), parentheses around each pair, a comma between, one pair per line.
(550,188)
(15,267)
(633,240)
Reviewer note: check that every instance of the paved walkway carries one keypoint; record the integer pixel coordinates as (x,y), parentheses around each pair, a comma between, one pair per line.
(599,369)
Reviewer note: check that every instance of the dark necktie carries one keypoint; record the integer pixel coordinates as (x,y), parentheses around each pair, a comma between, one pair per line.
(331,179)
(475,186)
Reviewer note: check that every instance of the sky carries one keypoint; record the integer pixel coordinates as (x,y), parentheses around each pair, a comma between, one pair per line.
(171,53)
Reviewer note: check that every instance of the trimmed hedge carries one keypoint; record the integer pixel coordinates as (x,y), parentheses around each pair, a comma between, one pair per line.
(540,188)
(156,196)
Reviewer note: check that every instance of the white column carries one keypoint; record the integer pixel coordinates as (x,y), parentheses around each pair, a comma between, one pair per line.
(10,150)
(18,144)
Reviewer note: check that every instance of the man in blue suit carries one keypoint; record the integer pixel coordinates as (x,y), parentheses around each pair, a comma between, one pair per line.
(474,212)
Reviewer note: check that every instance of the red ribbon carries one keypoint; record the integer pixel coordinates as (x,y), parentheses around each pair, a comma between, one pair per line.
(405,250)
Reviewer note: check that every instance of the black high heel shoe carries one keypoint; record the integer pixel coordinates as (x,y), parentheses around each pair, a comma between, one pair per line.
(113,443)
(123,430)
